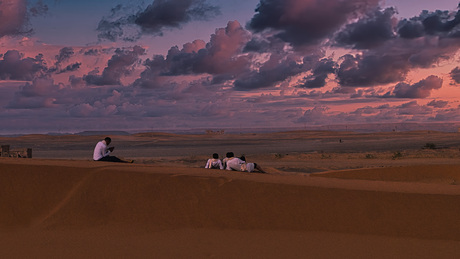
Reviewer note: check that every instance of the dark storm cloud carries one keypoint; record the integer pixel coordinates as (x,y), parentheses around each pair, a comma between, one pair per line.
(255,45)
(421,89)
(64,54)
(121,64)
(157,17)
(455,75)
(70,68)
(371,70)
(301,22)
(173,14)
(14,67)
(390,52)
(368,32)
(320,73)
(276,70)
(150,77)
(441,23)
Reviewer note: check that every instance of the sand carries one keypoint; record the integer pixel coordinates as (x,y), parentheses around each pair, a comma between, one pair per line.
(344,201)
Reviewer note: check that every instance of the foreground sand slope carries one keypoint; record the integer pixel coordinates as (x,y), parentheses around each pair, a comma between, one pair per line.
(57,196)
(81,198)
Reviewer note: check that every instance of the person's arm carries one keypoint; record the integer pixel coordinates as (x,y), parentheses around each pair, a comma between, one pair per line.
(105,151)
(208,164)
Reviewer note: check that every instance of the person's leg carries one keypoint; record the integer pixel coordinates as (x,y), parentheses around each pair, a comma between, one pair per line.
(113,159)
(256,166)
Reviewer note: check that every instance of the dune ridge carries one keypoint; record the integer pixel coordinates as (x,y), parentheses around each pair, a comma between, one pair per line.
(91,195)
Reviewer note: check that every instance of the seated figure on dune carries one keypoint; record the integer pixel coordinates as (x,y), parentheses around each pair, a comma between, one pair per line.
(214,162)
(102,152)
(239,164)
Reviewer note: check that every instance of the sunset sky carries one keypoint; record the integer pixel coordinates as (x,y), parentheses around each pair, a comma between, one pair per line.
(71,66)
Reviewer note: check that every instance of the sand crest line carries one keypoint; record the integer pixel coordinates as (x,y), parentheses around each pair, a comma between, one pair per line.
(41,220)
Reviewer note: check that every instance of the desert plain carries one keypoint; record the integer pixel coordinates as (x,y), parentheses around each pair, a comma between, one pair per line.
(325,195)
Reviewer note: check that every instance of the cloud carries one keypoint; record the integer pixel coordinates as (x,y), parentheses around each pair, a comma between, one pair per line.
(302,22)
(15,67)
(381,114)
(315,116)
(372,69)
(221,57)
(157,17)
(121,64)
(38,94)
(70,68)
(440,23)
(455,75)
(64,54)
(13,17)
(163,14)
(277,69)
(320,73)
(438,104)
(370,31)
(421,89)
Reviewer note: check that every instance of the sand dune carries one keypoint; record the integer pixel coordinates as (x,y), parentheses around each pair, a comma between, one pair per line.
(60,207)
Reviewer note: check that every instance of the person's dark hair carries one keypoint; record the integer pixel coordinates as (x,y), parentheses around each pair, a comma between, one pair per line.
(230,154)
(215,155)
(107,140)
(243,158)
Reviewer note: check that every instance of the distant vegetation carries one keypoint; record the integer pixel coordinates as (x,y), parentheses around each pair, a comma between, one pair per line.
(429,146)
(396,155)
(370,156)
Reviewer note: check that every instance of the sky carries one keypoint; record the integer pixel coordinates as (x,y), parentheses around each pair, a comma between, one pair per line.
(168,65)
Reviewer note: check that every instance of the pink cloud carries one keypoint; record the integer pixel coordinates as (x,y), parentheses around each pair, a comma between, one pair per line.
(13,17)
(421,89)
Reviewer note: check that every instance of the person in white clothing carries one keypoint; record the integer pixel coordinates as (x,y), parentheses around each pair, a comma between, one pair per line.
(237,164)
(102,152)
(214,162)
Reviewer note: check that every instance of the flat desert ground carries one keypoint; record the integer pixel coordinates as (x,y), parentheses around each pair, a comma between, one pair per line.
(325,195)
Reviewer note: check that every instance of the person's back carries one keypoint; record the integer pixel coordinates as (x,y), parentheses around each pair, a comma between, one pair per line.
(214,162)
(100,150)
(236,164)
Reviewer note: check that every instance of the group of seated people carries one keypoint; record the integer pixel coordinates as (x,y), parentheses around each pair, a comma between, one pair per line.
(230,162)
(102,152)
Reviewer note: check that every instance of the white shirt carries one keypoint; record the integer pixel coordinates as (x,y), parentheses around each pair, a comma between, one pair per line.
(214,163)
(234,163)
(100,150)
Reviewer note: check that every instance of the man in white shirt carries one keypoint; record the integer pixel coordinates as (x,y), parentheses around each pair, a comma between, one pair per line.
(102,152)
(236,164)
(214,162)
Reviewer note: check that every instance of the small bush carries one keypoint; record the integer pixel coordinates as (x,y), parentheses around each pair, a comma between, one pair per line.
(430,146)
(396,155)
(370,156)
(326,156)
(278,155)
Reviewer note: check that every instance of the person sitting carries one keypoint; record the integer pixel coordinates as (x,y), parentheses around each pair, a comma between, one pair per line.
(214,162)
(238,164)
(102,152)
